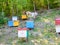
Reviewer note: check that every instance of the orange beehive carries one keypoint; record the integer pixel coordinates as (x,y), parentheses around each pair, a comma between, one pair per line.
(24,16)
(16,23)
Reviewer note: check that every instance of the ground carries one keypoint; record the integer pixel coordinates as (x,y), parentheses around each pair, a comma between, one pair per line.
(44,32)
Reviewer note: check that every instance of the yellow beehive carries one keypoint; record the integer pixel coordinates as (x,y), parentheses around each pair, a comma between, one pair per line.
(24,16)
(16,23)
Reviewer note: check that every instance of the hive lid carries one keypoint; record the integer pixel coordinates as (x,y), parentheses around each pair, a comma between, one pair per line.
(22,29)
(57,18)
(57,21)
(14,18)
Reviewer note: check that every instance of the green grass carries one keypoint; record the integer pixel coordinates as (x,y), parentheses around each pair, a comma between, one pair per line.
(47,32)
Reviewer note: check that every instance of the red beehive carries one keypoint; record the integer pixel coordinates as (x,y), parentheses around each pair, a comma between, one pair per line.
(57,21)
(22,29)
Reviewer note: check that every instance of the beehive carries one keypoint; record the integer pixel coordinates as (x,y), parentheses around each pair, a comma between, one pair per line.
(22,32)
(10,23)
(57,25)
(29,24)
(14,18)
(16,23)
(57,21)
(24,17)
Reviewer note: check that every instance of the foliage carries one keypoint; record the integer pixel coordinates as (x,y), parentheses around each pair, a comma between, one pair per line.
(16,7)
(3,19)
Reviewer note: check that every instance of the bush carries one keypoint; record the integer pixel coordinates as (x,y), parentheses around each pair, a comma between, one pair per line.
(3,19)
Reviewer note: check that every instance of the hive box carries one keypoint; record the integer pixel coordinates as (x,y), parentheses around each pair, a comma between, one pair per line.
(10,23)
(58,28)
(29,24)
(24,17)
(57,21)
(22,32)
(57,24)
(14,18)
(13,23)
(16,23)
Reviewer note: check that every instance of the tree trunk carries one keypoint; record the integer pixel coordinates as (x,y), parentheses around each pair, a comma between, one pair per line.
(48,4)
(34,6)
(33,2)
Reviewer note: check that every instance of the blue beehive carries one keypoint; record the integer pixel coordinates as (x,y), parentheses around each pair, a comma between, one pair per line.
(29,24)
(10,23)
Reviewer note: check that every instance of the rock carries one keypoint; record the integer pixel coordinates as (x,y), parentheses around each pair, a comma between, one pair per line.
(35,34)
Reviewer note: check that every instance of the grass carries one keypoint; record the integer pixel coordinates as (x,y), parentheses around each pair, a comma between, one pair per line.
(48,31)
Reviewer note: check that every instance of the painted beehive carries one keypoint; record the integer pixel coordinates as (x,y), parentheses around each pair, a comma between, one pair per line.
(14,18)
(58,28)
(57,24)
(16,23)
(10,23)
(57,21)
(22,32)
(29,24)
(24,17)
